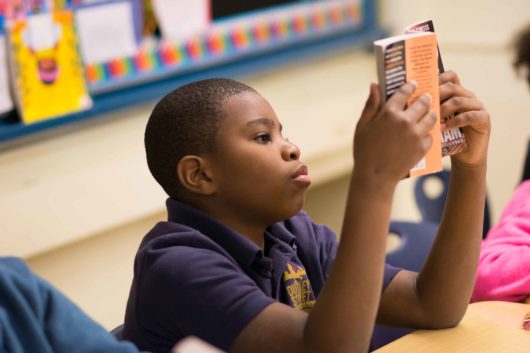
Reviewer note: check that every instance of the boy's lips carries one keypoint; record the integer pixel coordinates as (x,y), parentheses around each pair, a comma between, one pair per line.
(301,176)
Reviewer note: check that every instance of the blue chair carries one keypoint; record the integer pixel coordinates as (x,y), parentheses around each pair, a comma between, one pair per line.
(415,242)
(431,207)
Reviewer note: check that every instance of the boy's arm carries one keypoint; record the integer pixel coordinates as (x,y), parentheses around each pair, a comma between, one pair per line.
(438,296)
(388,142)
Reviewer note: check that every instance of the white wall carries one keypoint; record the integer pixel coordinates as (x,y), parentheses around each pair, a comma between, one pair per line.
(476,23)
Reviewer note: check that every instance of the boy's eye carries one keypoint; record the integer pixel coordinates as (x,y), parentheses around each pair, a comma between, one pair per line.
(263,138)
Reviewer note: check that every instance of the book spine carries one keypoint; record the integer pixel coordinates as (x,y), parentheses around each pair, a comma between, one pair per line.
(395,74)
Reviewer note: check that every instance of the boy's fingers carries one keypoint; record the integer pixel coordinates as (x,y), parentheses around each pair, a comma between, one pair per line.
(450,89)
(467,119)
(427,122)
(419,107)
(459,105)
(449,76)
(400,97)
(371,106)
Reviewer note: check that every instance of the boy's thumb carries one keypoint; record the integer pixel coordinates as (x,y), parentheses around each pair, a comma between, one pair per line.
(371,106)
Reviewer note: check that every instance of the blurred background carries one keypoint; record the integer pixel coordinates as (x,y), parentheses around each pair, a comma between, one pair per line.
(76,203)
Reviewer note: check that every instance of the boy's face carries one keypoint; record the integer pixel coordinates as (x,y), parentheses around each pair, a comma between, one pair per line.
(257,171)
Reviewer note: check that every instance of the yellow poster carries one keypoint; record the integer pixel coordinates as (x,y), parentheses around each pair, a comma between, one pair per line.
(46,67)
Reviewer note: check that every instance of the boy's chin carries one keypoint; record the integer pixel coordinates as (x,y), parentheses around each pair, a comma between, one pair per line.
(292,211)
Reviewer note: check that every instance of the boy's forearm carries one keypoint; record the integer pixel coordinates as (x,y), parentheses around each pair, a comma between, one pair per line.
(446,281)
(345,312)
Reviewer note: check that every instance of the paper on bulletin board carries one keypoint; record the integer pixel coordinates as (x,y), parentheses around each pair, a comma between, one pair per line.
(180,19)
(6,102)
(46,72)
(106,31)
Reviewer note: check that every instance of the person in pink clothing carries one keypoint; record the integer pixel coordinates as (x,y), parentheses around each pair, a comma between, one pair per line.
(504,266)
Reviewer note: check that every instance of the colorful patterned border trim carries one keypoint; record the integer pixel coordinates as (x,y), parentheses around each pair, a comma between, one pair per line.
(226,41)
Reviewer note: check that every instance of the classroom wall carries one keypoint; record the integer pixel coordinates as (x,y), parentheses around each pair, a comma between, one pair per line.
(106,155)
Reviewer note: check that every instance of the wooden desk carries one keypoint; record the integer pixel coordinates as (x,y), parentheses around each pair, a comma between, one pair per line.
(487,327)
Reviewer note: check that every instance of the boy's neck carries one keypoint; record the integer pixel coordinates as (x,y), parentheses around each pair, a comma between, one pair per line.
(243,225)
(252,233)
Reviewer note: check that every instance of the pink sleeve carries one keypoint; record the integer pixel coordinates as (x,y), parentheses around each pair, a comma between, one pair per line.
(504,265)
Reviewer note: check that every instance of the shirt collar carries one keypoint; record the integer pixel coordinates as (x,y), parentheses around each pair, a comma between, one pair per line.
(243,250)
(278,231)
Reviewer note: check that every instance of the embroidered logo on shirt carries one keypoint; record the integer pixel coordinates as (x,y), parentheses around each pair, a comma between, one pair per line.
(298,287)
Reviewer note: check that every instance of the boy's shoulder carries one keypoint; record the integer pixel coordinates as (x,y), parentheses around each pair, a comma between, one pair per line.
(168,237)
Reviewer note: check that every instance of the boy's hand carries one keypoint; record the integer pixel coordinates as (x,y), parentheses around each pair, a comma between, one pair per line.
(470,115)
(391,139)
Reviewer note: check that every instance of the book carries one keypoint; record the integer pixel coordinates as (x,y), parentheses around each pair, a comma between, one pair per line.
(47,75)
(453,140)
(409,57)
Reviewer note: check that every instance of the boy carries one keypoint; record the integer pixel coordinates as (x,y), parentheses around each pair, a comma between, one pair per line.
(240,266)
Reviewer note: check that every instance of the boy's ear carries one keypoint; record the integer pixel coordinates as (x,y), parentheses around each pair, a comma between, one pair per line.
(195,175)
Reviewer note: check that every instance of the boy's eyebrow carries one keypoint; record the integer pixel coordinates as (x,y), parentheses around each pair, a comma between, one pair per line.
(263,121)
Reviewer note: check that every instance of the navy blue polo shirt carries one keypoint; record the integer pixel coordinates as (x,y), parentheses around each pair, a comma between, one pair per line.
(195,276)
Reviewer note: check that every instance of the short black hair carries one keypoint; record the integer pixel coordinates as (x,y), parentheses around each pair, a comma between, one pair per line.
(522,52)
(185,122)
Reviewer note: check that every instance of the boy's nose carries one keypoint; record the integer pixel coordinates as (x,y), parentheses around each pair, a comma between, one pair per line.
(290,151)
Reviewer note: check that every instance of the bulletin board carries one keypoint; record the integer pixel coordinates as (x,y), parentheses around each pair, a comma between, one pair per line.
(244,37)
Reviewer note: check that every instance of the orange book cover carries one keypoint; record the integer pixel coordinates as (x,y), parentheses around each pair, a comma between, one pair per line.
(409,57)
(453,140)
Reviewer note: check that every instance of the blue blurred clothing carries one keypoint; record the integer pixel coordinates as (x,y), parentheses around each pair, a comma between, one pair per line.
(35,317)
